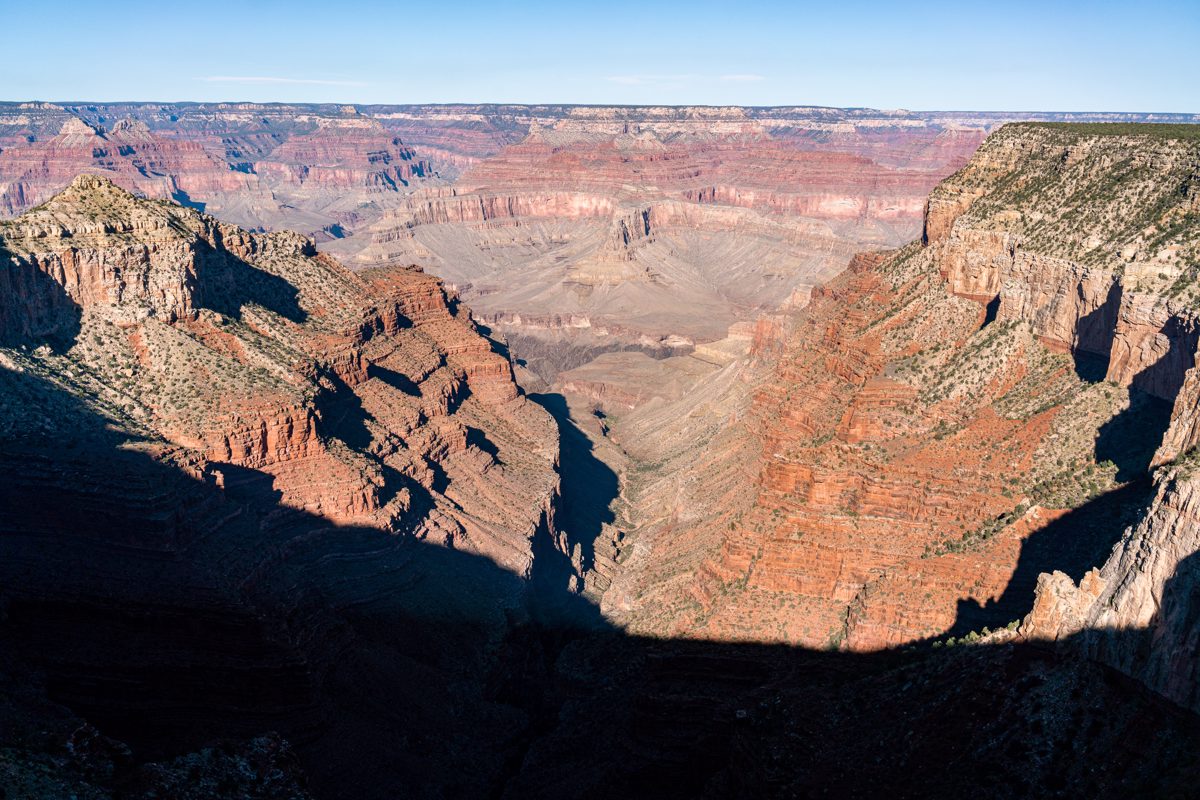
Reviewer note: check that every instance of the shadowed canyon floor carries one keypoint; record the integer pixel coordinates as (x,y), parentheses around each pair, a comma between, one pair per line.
(277,528)
(392,664)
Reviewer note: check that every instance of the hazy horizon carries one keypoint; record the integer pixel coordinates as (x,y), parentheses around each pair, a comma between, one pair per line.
(1031,57)
(70,102)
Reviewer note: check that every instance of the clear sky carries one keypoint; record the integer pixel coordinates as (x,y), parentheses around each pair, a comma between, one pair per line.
(1014,56)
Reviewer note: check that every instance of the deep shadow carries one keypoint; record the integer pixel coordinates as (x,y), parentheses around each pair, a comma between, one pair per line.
(397,380)
(173,610)
(225,282)
(497,343)
(1073,544)
(1090,367)
(246,486)
(184,199)
(342,415)
(990,311)
(478,439)
(1130,438)
(589,486)
(1094,335)
(1164,377)
(34,309)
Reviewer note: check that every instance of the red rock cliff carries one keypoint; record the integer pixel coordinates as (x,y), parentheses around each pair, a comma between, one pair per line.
(355,393)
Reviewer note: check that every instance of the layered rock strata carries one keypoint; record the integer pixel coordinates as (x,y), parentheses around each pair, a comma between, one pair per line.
(948,421)
(256,352)
(128,153)
(272,474)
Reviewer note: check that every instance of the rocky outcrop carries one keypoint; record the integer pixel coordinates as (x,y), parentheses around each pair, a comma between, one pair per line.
(1137,612)
(1070,245)
(1154,343)
(128,154)
(936,431)
(353,153)
(281,478)
(447,206)
(259,354)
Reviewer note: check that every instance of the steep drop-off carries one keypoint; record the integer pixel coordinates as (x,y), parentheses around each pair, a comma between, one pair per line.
(948,421)
(222,456)
(614,217)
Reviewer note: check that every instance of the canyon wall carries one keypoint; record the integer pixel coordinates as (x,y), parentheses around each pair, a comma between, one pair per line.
(534,210)
(1136,611)
(257,352)
(948,421)
(626,225)
(275,474)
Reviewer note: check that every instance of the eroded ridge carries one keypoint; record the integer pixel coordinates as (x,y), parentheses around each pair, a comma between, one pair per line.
(949,420)
(355,393)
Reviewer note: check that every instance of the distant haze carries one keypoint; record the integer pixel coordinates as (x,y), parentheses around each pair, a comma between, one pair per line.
(1066,56)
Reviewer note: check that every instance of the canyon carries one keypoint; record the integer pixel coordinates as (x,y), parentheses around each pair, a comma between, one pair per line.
(780,452)
(945,422)
(578,230)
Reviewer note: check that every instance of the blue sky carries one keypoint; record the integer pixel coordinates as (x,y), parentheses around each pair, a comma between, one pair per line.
(1064,56)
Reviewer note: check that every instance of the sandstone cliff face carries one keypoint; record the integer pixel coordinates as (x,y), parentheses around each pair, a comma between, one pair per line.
(443,206)
(128,153)
(299,489)
(257,353)
(344,154)
(1086,238)
(1137,612)
(1129,295)
(938,430)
